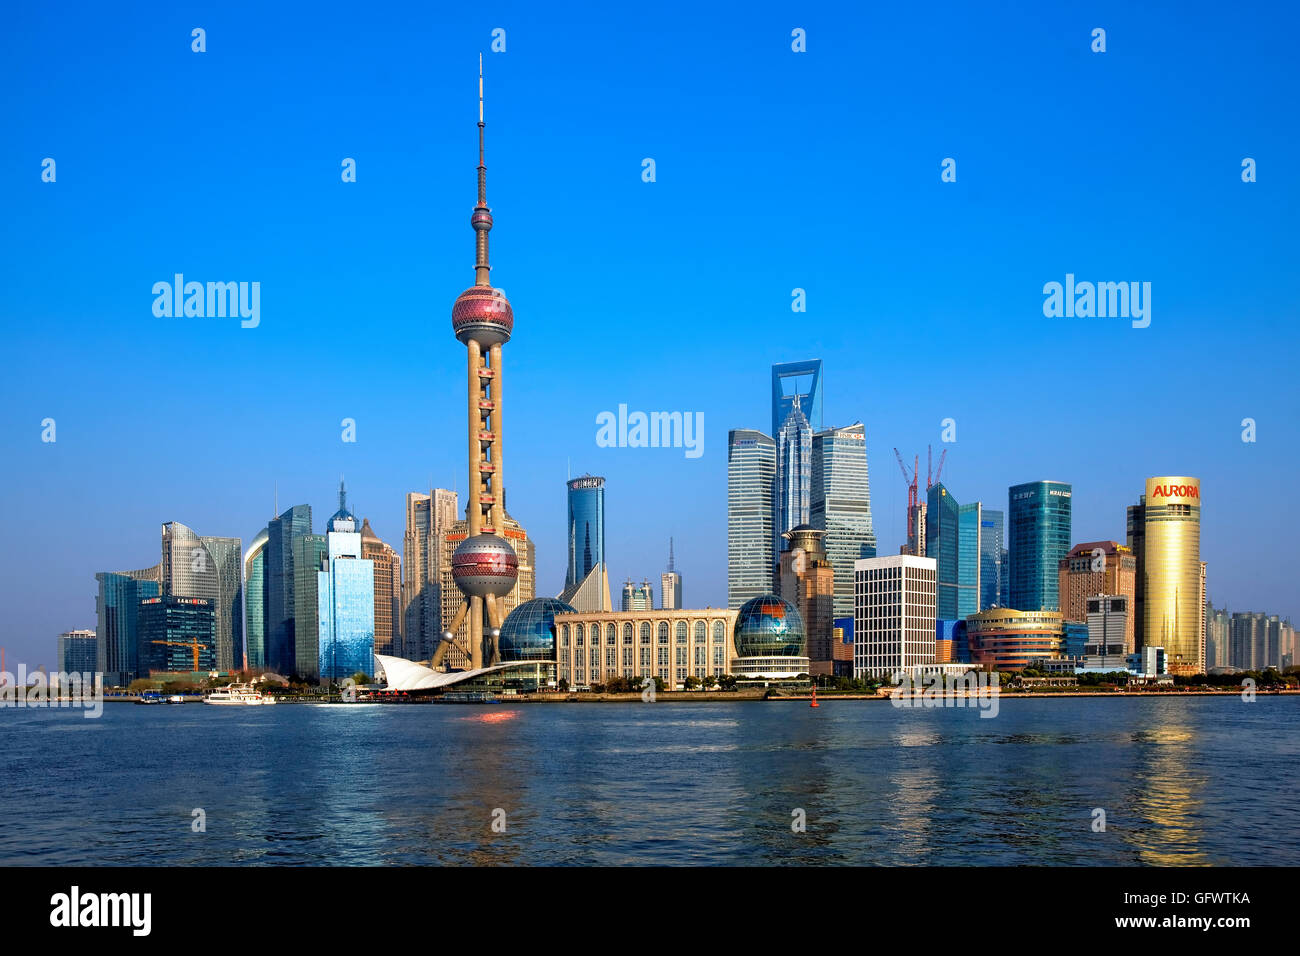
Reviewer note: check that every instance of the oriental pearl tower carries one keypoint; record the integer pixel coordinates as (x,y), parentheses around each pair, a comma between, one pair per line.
(484,565)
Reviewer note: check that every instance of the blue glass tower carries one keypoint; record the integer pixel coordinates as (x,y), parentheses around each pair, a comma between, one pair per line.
(970,521)
(1039,538)
(116,628)
(586,527)
(793,504)
(942,530)
(278,632)
(992,570)
(345,592)
(801,380)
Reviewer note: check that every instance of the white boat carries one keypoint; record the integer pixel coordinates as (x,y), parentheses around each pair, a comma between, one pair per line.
(238,695)
(175,699)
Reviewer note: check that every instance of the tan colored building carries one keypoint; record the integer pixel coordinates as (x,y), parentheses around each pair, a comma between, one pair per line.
(1098,567)
(524,589)
(388,590)
(808,582)
(672,645)
(428,520)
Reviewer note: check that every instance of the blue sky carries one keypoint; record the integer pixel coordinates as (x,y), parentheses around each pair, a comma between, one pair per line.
(775,170)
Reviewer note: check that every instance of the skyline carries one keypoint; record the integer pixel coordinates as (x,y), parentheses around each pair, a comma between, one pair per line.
(321,318)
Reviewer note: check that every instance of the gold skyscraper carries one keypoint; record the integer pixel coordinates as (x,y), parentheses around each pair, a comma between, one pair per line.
(1173,615)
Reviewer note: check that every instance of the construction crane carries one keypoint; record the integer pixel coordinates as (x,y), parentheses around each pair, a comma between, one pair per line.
(196,646)
(911,481)
(939,471)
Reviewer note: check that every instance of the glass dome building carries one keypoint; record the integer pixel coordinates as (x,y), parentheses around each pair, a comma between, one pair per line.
(528,632)
(770,639)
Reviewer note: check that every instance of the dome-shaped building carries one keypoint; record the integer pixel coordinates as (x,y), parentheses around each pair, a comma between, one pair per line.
(528,632)
(770,639)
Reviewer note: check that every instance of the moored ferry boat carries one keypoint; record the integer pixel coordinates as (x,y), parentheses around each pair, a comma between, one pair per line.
(238,695)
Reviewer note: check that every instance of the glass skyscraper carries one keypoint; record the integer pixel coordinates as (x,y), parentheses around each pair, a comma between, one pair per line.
(969,553)
(992,548)
(751,479)
(840,505)
(942,542)
(793,505)
(281,545)
(586,527)
(1039,538)
(117,608)
(309,553)
(345,602)
(255,601)
(204,566)
(797,380)
(177,635)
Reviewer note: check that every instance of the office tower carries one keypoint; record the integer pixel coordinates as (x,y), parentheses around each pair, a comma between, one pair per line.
(942,542)
(1039,533)
(751,483)
(255,601)
(894,614)
(388,590)
(309,555)
(586,527)
(282,536)
(1004,639)
(1074,636)
(793,505)
(801,381)
(591,593)
(1242,643)
(178,635)
(345,589)
(1200,606)
(1169,567)
(670,584)
(204,566)
(1109,631)
(429,518)
(485,565)
(638,598)
(1098,567)
(1272,642)
(970,528)
(993,572)
(1217,632)
(842,647)
(1135,536)
(808,582)
(840,504)
(78,652)
(917,516)
(1005,590)
(117,649)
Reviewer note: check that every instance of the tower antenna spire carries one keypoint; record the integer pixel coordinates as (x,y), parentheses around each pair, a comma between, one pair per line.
(482,218)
